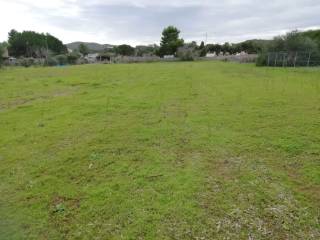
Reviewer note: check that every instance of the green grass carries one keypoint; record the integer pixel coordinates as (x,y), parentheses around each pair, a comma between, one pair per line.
(203,150)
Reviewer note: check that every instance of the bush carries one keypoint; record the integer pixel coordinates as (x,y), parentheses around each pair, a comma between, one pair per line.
(73,57)
(81,61)
(26,62)
(61,59)
(262,59)
(187,53)
(292,49)
(51,61)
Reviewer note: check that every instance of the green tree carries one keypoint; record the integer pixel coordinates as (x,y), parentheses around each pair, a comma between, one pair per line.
(145,50)
(214,48)
(226,47)
(55,45)
(170,41)
(83,49)
(33,44)
(202,49)
(125,50)
(314,35)
(73,57)
(293,42)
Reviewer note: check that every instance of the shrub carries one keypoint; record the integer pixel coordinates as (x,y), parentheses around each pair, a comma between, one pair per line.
(262,59)
(26,62)
(73,57)
(51,61)
(187,53)
(292,49)
(61,59)
(81,61)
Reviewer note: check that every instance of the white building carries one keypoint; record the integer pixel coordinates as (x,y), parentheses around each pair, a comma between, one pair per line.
(209,55)
(92,57)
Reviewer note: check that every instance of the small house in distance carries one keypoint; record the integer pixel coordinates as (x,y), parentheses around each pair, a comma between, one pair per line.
(98,57)
(92,57)
(210,55)
(168,56)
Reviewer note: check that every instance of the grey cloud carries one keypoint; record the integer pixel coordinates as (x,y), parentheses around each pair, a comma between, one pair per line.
(142,21)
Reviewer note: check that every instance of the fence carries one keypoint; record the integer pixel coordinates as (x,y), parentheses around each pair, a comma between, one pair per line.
(128,59)
(246,58)
(293,59)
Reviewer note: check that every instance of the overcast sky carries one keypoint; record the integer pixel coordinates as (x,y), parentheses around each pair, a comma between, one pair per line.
(141,21)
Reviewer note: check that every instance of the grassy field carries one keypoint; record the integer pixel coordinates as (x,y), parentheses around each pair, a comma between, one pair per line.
(203,150)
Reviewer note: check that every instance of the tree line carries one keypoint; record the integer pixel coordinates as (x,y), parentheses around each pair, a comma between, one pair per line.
(33,44)
(292,44)
(30,44)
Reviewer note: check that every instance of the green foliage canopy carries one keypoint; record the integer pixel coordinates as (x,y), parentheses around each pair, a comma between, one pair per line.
(170,41)
(33,44)
(83,49)
(293,42)
(125,50)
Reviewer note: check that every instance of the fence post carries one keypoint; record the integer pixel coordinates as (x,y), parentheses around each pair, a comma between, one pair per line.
(309,59)
(275,60)
(268,59)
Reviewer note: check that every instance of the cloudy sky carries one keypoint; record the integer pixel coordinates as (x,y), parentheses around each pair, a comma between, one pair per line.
(141,21)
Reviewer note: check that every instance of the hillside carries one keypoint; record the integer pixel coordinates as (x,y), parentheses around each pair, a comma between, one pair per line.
(91,45)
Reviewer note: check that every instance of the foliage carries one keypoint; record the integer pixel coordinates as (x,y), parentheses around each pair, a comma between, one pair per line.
(202,50)
(62,59)
(146,50)
(51,61)
(73,57)
(170,41)
(290,43)
(26,62)
(249,46)
(262,59)
(252,46)
(83,49)
(214,48)
(314,35)
(32,44)
(55,45)
(189,52)
(125,50)
(293,42)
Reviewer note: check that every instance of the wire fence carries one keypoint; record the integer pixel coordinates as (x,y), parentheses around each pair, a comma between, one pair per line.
(293,59)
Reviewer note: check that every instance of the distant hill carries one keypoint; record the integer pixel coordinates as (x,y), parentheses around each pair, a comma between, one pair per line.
(93,47)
